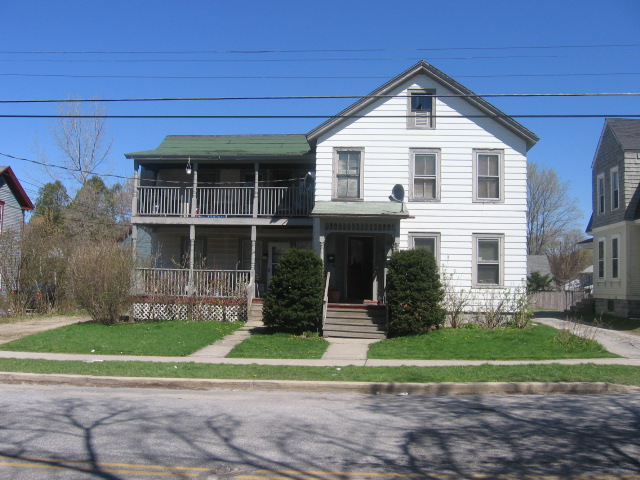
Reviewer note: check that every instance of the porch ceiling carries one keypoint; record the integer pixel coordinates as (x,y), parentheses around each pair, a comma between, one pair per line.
(361,209)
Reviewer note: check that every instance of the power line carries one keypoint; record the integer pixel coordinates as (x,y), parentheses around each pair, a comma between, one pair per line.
(324,50)
(300,77)
(249,117)
(321,97)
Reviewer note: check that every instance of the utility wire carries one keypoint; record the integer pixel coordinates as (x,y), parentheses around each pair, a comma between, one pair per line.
(323,50)
(321,97)
(596,115)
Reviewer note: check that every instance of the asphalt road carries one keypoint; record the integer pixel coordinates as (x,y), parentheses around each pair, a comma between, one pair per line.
(79,433)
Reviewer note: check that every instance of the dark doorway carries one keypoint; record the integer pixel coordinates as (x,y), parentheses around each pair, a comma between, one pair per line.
(359,268)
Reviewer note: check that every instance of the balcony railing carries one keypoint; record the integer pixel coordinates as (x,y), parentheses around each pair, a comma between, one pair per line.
(224,201)
(174,282)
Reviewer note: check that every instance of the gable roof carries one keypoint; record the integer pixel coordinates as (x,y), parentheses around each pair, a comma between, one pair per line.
(626,131)
(18,192)
(207,146)
(424,68)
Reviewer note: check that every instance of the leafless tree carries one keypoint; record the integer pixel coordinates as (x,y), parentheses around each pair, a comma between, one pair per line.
(550,211)
(567,259)
(83,142)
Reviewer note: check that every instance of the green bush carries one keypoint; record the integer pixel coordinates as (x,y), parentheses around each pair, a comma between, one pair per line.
(293,302)
(415,293)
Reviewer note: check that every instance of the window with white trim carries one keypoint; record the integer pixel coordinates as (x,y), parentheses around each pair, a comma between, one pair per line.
(348,173)
(488,167)
(601,258)
(1,216)
(421,109)
(615,189)
(425,173)
(488,260)
(428,241)
(600,193)
(615,257)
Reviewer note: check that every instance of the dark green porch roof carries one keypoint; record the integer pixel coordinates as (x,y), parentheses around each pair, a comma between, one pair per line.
(227,146)
(361,209)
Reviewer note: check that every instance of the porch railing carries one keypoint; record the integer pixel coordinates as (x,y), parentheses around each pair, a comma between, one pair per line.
(284,201)
(165,201)
(224,201)
(174,282)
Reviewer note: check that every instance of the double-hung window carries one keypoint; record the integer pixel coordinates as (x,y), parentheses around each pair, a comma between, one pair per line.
(1,215)
(615,257)
(601,258)
(488,260)
(348,173)
(428,241)
(425,169)
(615,189)
(420,109)
(488,168)
(600,193)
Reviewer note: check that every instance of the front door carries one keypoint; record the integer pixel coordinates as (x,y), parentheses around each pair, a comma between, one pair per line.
(359,268)
(276,250)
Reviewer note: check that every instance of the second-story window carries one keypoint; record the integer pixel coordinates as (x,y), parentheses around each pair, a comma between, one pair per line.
(600,193)
(425,170)
(348,174)
(489,178)
(615,189)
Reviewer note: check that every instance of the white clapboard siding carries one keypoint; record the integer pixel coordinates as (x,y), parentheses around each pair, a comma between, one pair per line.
(455,217)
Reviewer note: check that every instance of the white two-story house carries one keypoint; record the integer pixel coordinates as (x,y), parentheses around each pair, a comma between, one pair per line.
(421,162)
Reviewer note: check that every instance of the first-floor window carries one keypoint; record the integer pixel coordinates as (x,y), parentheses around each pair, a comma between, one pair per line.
(601,263)
(488,261)
(614,257)
(428,241)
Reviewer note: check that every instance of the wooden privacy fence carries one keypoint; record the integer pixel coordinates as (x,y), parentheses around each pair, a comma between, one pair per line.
(556,300)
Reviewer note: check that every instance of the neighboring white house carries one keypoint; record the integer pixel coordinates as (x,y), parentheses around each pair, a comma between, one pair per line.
(615,222)
(421,162)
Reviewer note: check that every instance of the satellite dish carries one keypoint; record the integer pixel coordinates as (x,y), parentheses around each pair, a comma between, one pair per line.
(309,181)
(397,193)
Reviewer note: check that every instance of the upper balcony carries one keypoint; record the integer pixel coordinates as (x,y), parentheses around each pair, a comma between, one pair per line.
(224,201)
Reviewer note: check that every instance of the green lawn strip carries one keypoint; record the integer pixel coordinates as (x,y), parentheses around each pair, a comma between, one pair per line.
(538,342)
(178,338)
(280,345)
(621,374)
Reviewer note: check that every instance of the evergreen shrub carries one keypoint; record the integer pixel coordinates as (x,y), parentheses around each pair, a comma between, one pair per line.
(415,293)
(293,302)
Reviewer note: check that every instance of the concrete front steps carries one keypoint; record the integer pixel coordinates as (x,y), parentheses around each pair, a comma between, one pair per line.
(355,321)
(586,305)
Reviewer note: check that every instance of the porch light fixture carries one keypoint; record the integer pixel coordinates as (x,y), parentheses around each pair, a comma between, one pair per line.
(189,166)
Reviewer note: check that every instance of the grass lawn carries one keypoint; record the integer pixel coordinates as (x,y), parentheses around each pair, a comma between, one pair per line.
(621,374)
(144,338)
(538,342)
(627,325)
(280,345)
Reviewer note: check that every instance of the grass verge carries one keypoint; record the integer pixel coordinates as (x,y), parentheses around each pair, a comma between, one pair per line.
(538,342)
(622,374)
(280,345)
(173,339)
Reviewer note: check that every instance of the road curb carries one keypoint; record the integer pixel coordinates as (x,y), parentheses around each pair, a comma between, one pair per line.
(371,388)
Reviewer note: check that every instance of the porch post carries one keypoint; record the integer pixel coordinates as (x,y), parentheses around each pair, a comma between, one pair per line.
(194,193)
(192,244)
(136,184)
(252,274)
(254,208)
(316,242)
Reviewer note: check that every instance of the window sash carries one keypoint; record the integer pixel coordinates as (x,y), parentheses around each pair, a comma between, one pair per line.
(615,190)
(601,259)
(614,258)
(488,261)
(421,102)
(348,174)
(488,173)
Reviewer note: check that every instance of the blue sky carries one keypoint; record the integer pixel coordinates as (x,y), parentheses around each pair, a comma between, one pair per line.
(472,41)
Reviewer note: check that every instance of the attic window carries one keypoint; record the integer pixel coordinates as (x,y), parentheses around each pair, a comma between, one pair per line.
(420,109)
